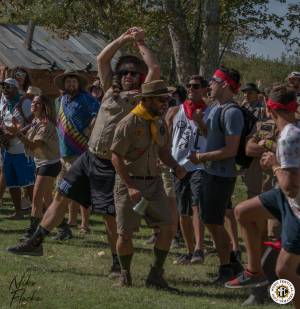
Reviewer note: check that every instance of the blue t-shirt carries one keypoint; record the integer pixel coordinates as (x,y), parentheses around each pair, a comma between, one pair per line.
(79,111)
(233,125)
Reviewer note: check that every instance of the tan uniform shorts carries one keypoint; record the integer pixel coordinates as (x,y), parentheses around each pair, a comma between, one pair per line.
(158,211)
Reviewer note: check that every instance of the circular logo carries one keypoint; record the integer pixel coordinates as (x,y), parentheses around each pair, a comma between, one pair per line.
(282,291)
(181,124)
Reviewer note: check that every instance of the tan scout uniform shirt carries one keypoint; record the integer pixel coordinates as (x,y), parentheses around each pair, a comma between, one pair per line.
(111,112)
(133,141)
(256,180)
(46,132)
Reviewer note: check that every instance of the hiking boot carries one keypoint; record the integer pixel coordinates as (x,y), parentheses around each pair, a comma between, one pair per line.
(155,279)
(198,257)
(115,270)
(184,259)
(27,248)
(64,233)
(247,280)
(124,279)
(225,274)
(34,223)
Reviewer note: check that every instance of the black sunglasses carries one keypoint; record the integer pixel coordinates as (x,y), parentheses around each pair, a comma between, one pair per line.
(6,87)
(194,86)
(126,72)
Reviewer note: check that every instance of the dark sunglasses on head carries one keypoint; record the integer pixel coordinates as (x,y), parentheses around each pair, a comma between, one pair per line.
(126,72)
(194,86)
(216,79)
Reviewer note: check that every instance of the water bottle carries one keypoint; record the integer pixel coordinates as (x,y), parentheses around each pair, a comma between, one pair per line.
(140,207)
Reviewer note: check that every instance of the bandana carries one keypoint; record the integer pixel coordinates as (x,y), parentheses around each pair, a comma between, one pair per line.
(141,111)
(233,84)
(290,107)
(275,245)
(190,107)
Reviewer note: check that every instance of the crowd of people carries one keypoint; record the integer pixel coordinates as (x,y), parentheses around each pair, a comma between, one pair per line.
(129,141)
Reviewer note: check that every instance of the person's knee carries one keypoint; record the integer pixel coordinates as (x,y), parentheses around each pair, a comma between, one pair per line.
(167,231)
(59,203)
(239,212)
(286,265)
(282,270)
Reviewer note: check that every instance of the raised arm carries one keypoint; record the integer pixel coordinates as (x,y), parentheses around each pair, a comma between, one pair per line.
(148,57)
(104,58)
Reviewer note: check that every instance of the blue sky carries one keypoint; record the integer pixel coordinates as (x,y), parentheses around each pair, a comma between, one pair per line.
(271,48)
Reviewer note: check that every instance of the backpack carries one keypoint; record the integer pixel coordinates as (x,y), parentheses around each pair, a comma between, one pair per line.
(249,121)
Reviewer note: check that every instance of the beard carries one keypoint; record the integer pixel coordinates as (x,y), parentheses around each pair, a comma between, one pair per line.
(71,90)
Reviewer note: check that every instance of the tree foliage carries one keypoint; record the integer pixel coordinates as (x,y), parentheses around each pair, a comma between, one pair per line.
(239,20)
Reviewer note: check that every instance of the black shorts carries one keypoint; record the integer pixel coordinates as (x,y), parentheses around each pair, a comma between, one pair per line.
(90,182)
(50,170)
(188,191)
(276,203)
(216,198)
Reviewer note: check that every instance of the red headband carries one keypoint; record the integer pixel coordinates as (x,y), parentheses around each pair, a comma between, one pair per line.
(290,107)
(233,84)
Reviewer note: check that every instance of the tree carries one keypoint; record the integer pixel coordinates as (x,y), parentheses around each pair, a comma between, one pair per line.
(193,34)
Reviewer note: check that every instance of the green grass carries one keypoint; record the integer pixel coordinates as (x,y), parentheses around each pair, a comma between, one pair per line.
(73,274)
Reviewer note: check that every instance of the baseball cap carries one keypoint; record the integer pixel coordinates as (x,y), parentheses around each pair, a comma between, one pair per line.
(250,87)
(10,81)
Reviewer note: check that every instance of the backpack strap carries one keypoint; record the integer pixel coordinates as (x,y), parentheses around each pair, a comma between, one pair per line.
(222,114)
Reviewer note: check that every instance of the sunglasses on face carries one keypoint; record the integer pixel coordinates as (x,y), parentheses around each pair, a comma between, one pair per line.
(126,72)
(193,86)
(20,74)
(6,87)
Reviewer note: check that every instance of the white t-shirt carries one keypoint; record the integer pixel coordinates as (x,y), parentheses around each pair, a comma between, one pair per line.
(288,156)
(186,137)
(15,145)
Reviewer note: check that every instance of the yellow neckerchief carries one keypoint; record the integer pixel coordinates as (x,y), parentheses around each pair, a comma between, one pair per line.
(141,111)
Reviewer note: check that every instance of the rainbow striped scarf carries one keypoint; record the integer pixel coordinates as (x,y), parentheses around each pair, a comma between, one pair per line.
(76,140)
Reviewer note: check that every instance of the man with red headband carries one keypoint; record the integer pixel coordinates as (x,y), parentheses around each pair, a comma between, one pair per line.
(186,128)
(220,171)
(282,203)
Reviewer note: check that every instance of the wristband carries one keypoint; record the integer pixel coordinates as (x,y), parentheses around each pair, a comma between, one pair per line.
(276,169)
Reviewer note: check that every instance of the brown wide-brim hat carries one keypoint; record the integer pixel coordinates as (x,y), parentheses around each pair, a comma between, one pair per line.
(59,80)
(156,88)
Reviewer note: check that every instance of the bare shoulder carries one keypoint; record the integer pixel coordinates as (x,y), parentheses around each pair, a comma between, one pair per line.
(172,111)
